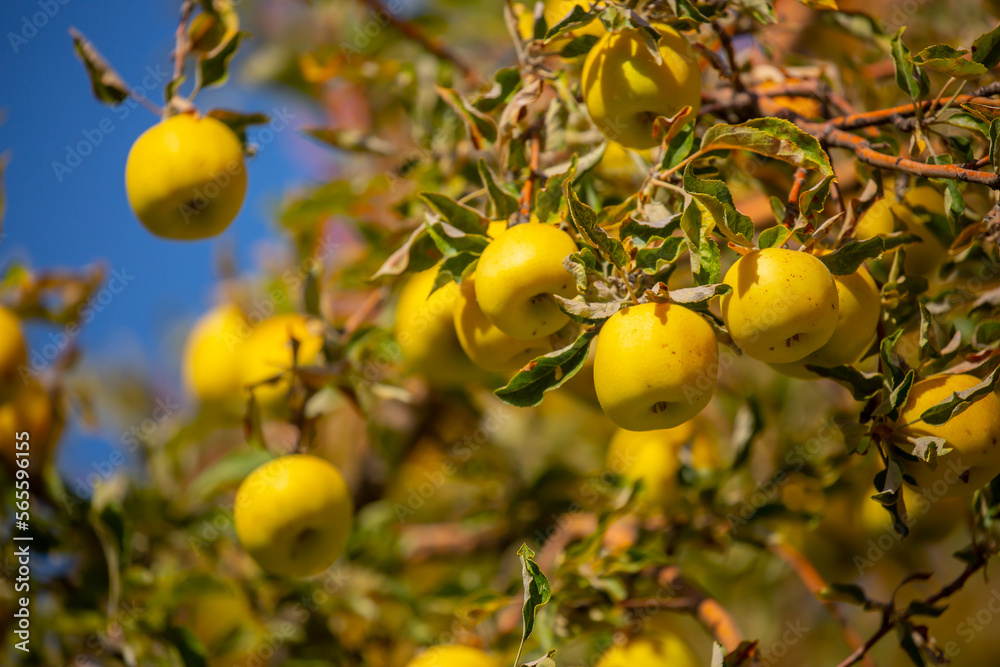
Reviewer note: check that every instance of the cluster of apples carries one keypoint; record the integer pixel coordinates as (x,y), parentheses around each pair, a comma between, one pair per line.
(25,406)
(292,514)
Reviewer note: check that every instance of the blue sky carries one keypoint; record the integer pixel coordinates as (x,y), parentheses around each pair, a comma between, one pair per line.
(73,219)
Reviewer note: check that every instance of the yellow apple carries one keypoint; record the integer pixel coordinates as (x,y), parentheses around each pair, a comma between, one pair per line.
(859,308)
(973,436)
(625,89)
(425,330)
(212,360)
(655,366)
(13,353)
(620,167)
(517,275)
(185,177)
(293,515)
(267,352)
(659,650)
(654,456)
(29,411)
(783,305)
(453,655)
(215,616)
(923,258)
(488,347)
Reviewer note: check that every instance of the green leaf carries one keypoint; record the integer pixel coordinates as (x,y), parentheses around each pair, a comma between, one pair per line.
(718,201)
(774,237)
(468,219)
(986,48)
(679,147)
(995,144)
(585,220)
(528,387)
(960,401)
(215,70)
(578,17)
(451,241)
(846,259)
(238,121)
(550,198)
(106,83)
(506,82)
(587,312)
(579,46)
(537,591)
(948,60)
(352,141)
(849,593)
(761,11)
(697,224)
(504,203)
(773,137)
(699,294)
(545,661)
(647,231)
(862,385)
(890,359)
(910,78)
(189,648)
(455,269)
(481,128)
(897,398)
(659,254)
(227,473)
(418,253)
(813,201)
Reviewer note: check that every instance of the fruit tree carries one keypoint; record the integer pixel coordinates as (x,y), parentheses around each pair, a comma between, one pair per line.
(624,332)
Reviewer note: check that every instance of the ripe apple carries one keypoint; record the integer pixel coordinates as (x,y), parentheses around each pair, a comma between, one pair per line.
(783,305)
(453,655)
(268,351)
(625,89)
(185,177)
(212,360)
(13,354)
(659,650)
(859,308)
(618,165)
(654,456)
(517,275)
(30,410)
(293,515)
(922,259)
(487,346)
(425,330)
(655,366)
(973,436)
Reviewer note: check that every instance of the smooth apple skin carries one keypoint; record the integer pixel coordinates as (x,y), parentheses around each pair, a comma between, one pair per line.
(453,655)
(487,346)
(268,352)
(31,410)
(212,366)
(654,456)
(293,515)
(425,331)
(655,366)
(185,177)
(625,89)
(973,435)
(659,650)
(924,258)
(783,305)
(859,310)
(517,275)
